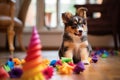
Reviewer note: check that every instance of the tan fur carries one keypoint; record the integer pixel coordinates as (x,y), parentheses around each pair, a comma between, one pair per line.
(77,46)
(66,16)
(70,30)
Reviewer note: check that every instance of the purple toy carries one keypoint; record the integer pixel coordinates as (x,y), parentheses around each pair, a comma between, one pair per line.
(94,58)
(79,68)
(16,73)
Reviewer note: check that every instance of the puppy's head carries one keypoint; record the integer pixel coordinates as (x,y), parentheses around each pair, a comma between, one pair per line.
(75,24)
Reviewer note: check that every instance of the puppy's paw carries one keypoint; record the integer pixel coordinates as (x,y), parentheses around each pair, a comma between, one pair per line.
(83,46)
(86,62)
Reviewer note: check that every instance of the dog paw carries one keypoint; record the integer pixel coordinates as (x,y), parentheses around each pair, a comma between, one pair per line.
(83,46)
(86,62)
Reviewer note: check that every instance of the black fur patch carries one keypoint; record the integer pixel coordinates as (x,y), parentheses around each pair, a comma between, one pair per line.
(76,56)
(66,37)
(62,50)
(75,60)
(65,49)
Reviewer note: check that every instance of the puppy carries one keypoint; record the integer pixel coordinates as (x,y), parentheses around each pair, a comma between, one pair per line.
(75,43)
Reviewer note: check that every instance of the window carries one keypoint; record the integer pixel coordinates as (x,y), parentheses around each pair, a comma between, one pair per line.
(51,12)
(31,14)
(51,15)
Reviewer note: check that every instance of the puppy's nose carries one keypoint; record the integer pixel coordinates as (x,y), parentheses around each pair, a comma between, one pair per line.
(80,31)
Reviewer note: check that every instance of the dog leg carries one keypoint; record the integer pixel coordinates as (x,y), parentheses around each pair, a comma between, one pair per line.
(84,53)
(69,53)
(76,56)
(66,51)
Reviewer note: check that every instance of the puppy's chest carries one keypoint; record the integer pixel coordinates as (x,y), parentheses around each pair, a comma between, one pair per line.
(77,48)
(76,45)
(79,43)
(76,40)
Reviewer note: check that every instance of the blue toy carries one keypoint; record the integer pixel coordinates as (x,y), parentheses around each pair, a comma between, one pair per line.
(53,63)
(10,63)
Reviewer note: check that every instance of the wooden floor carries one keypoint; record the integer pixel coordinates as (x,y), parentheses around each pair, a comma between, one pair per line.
(104,69)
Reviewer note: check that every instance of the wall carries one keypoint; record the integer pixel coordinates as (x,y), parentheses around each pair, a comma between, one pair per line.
(54,39)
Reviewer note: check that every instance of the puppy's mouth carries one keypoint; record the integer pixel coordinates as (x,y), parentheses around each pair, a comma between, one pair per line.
(78,34)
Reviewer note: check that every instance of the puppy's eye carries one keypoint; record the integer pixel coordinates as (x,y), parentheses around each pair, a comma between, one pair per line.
(73,27)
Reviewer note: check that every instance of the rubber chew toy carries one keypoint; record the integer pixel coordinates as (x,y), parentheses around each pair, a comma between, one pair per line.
(94,58)
(65,69)
(32,68)
(79,68)
(6,67)
(10,63)
(53,63)
(3,74)
(67,60)
(16,61)
(15,73)
(48,72)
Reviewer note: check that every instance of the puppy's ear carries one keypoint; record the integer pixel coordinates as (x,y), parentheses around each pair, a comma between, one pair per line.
(82,12)
(66,17)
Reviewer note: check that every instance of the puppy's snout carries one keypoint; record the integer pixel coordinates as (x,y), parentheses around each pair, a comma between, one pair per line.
(80,31)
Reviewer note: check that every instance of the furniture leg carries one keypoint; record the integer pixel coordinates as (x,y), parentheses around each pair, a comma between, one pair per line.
(11,34)
(115,41)
(20,42)
(6,43)
(119,40)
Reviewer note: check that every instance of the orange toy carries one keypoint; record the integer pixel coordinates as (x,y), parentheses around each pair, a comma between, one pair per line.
(33,66)
(16,61)
(65,69)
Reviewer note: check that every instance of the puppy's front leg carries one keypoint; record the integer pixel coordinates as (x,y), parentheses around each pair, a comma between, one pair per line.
(69,53)
(84,52)
(84,55)
(66,50)
(84,44)
(69,49)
